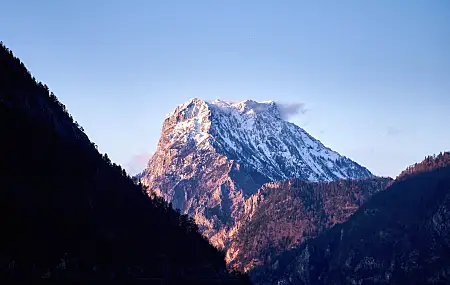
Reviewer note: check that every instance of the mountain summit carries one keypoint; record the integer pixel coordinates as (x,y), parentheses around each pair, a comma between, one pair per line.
(213,155)
(254,133)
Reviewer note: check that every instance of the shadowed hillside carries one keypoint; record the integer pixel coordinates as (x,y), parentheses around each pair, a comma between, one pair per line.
(400,236)
(69,213)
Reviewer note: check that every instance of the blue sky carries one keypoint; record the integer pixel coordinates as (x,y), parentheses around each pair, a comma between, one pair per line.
(374,75)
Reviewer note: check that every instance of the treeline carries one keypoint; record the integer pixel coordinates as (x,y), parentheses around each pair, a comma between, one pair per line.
(68,212)
(428,164)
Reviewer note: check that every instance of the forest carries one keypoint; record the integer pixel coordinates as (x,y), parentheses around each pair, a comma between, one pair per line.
(399,236)
(294,211)
(68,213)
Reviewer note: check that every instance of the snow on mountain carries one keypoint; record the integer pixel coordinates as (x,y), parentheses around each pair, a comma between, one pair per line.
(254,133)
(212,156)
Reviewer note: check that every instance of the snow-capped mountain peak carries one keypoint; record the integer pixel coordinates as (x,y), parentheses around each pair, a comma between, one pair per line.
(213,155)
(248,107)
(254,134)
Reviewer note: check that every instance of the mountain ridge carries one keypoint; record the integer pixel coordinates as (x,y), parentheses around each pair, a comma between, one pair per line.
(257,128)
(284,214)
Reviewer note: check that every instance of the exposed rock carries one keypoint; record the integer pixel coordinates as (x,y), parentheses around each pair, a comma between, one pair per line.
(212,156)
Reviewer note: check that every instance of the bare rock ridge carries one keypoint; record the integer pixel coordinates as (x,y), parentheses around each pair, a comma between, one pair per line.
(212,156)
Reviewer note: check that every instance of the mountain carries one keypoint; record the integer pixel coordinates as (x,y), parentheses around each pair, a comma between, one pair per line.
(212,156)
(400,236)
(68,213)
(282,215)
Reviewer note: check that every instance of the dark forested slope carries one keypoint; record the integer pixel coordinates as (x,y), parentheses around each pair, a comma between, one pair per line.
(400,236)
(67,212)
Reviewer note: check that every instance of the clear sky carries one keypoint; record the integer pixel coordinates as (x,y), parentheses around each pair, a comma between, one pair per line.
(374,75)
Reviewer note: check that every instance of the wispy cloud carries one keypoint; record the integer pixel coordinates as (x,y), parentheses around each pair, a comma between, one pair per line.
(288,110)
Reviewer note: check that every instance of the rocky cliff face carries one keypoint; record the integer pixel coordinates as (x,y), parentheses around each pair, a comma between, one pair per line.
(212,156)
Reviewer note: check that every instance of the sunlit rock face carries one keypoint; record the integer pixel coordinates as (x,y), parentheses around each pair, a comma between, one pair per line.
(213,156)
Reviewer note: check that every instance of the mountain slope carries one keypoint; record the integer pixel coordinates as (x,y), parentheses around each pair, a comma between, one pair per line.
(213,155)
(430,163)
(282,215)
(400,236)
(68,213)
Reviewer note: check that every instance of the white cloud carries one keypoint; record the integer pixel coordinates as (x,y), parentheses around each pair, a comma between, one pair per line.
(288,110)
